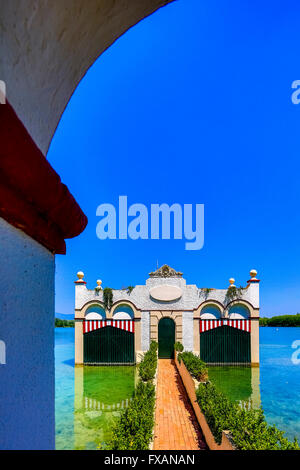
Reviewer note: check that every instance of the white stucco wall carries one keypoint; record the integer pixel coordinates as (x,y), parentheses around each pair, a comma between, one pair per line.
(145,331)
(253,294)
(191,298)
(27,329)
(188,331)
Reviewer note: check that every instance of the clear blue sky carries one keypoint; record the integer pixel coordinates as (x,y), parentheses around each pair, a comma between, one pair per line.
(192,105)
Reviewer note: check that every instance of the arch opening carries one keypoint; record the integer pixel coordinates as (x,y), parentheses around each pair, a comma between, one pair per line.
(210,312)
(95,312)
(239,312)
(123,312)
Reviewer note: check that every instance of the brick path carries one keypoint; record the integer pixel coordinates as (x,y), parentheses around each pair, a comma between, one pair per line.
(176,427)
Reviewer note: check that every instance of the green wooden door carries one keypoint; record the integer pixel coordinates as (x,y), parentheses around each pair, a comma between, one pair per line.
(166,338)
(109,346)
(225,344)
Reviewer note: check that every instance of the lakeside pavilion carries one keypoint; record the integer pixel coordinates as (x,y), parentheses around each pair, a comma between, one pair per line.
(222,325)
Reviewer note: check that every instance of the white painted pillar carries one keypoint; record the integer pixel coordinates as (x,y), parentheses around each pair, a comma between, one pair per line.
(253,292)
(27,331)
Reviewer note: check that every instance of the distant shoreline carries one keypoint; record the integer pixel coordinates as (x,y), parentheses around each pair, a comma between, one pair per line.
(281,320)
(64,323)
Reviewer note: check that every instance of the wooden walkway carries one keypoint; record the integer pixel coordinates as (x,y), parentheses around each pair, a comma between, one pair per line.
(176,426)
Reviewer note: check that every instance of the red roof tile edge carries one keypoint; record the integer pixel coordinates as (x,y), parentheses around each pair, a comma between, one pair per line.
(32,196)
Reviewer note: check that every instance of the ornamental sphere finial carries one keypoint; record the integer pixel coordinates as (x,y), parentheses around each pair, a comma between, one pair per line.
(253,273)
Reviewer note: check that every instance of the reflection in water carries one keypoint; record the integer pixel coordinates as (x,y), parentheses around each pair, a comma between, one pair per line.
(100,395)
(240,384)
(277,380)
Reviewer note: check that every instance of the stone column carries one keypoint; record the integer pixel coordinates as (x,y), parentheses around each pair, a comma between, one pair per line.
(137,339)
(78,341)
(178,331)
(255,342)
(153,326)
(188,331)
(196,330)
(145,331)
(253,291)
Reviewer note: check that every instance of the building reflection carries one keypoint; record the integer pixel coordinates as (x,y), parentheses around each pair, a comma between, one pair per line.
(240,383)
(101,393)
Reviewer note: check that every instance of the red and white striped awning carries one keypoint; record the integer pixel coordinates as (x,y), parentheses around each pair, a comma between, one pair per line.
(91,325)
(206,325)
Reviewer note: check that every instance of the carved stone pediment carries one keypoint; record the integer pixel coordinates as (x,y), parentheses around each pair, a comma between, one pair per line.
(165,271)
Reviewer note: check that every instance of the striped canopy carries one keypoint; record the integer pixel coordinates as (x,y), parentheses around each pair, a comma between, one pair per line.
(206,325)
(91,325)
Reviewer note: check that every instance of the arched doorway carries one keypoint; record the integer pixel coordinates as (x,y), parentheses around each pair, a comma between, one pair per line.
(166,338)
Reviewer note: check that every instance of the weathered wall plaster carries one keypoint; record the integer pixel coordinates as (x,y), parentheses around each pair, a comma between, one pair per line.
(27,329)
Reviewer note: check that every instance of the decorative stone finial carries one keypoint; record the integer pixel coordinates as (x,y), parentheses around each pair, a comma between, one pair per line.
(165,271)
(231,282)
(253,273)
(80,276)
(99,282)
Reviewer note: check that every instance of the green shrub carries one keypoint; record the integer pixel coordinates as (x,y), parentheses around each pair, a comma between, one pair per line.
(133,429)
(233,293)
(153,346)
(263,321)
(107,298)
(216,408)
(196,367)
(248,427)
(178,346)
(148,365)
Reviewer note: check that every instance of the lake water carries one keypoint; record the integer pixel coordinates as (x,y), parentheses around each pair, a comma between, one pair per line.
(89,398)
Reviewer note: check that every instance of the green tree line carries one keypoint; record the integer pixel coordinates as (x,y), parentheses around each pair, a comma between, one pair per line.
(281,320)
(64,323)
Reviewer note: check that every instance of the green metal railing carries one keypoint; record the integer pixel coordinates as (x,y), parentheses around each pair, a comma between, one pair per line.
(225,345)
(109,346)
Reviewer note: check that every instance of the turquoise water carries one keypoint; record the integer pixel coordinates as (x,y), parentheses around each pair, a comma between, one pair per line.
(275,385)
(280,379)
(89,398)
(64,388)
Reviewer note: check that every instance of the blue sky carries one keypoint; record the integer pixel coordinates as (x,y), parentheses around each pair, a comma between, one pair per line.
(192,105)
